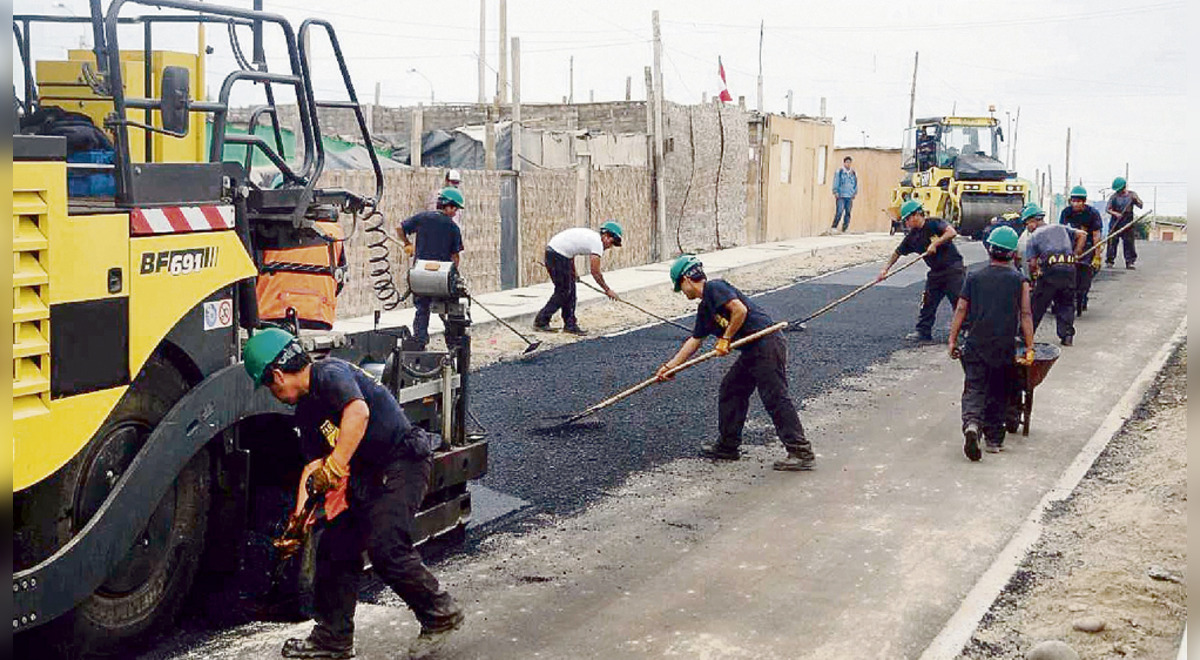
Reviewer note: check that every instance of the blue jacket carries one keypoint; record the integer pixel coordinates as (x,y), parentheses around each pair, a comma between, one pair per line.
(845,184)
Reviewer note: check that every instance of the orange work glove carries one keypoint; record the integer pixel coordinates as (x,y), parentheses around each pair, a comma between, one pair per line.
(326,477)
(1028,359)
(722,346)
(409,249)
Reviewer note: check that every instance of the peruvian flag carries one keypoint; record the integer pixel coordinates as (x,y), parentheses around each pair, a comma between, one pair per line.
(725,96)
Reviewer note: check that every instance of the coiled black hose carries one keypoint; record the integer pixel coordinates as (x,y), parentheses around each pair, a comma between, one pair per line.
(374,227)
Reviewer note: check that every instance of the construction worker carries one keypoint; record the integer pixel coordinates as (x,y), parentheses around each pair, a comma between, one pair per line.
(1120,209)
(1085,218)
(1051,253)
(994,302)
(932,238)
(729,315)
(560,264)
(362,451)
(453,179)
(438,239)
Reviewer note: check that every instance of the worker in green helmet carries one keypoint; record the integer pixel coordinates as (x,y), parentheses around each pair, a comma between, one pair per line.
(728,315)
(1120,210)
(370,466)
(1051,252)
(1079,215)
(932,238)
(439,238)
(560,265)
(994,302)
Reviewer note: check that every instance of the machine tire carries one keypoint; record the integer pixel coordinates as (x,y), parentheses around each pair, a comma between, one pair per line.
(107,622)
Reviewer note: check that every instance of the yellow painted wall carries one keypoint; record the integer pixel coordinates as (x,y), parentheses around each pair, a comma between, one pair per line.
(878,173)
(802,205)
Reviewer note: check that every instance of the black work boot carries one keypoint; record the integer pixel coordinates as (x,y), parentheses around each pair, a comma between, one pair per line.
(575,330)
(720,452)
(796,461)
(307,648)
(971,441)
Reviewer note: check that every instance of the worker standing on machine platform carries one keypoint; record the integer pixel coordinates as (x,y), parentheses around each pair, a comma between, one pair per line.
(729,315)
(359,443)
(1120,208)
(994,302)
(1051,254)
(560,264)
(438,239)
(1083,217)
(933,238)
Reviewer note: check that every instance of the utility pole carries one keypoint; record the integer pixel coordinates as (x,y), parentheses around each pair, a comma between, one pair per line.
(1126,171)
(571,80)
(482,50)
(591,96)
(415,130)
(823,107)
(516,104)
(1067,173)
(628,88)
(1016,130)
(660,214)
(759,106)
(503,84)
(789,103)
(1050,189)
(912,94)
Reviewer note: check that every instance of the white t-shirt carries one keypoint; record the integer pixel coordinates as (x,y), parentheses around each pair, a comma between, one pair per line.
(573,242)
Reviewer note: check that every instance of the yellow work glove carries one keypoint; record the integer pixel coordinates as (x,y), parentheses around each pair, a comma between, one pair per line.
(1096,260)
(409,249)
(722,346)
(326,477)
(1028,359)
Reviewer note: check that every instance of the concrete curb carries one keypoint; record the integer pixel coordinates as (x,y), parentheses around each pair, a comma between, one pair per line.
(957,632)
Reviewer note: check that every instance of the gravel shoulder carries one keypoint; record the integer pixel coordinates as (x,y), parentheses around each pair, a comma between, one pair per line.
(1115,552)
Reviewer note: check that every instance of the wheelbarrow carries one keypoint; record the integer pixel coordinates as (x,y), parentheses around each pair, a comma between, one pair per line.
(1030,376)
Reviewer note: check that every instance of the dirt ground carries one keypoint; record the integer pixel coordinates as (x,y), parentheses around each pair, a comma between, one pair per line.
(493,343)
(1114,552)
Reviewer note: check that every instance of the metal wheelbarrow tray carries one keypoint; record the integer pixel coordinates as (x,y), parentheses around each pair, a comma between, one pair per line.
(1030,376)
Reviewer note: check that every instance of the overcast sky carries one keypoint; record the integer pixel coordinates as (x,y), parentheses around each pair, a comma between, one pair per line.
(1111,70)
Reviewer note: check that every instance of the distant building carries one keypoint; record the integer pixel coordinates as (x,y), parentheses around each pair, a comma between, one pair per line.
(1167,230)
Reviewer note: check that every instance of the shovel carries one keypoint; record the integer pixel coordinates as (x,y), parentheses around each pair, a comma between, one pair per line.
(670,372)
(801,324)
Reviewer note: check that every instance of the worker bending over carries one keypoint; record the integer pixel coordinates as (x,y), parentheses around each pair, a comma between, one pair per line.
(438,239)
(560,264)
(359,444)
(1051,253)
(933,238)
(762,364)
(1079,215)
(994,302)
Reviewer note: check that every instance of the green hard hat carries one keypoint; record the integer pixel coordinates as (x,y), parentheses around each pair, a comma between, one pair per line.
(262,349)
(613,229)
(1032,210)
(1080,192)
(681,267)
(1118,184)
(910,207)
(1004,237)
(451,195)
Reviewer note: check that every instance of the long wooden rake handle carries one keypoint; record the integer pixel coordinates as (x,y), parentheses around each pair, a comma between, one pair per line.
(853,293)
(1089,251)
(671,372)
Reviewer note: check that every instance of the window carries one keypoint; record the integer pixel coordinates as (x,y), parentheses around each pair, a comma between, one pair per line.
(785,161)
(822,159)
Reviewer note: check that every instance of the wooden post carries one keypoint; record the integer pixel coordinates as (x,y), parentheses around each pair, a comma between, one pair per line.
(502,87)
(416,128)
(516,106)
(912,93)
(660,215)
(1067,174)
(489,138)
(571,79)
(628,88)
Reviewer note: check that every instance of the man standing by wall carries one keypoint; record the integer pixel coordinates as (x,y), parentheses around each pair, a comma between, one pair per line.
(1120,209)
(845,189)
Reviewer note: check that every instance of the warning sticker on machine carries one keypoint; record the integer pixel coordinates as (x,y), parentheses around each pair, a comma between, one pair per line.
(218,314)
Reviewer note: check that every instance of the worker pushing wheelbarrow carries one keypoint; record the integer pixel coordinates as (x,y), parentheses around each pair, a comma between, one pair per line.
(1029,376)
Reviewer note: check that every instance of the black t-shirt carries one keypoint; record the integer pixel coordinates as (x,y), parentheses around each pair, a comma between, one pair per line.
(993,296)
(438,238)
(712,317)
(1088,220)
(333,385)
(917,241)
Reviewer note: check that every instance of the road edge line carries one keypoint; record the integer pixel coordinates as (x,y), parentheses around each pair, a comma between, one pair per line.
(954,636)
